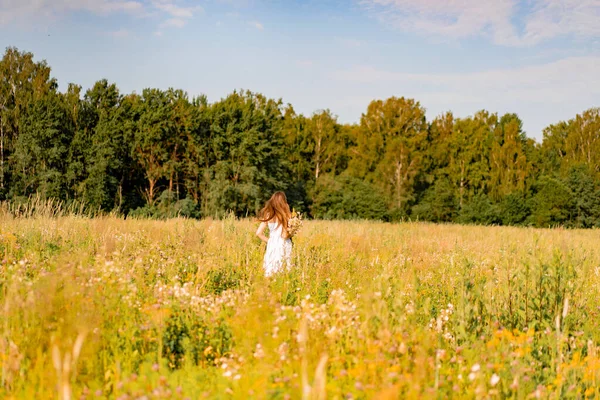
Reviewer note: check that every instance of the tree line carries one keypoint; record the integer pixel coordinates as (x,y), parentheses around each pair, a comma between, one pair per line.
(161,153)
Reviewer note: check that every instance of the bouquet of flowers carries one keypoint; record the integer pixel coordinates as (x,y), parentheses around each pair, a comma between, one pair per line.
(294,223)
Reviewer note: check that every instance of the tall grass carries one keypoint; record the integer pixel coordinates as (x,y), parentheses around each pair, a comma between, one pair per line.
(39,206)
(122,309)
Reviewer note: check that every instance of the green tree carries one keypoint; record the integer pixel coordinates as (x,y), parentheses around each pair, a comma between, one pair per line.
(40,157)
(441,132)
(513,209)
(480,210)
(196,156)
(509,167)
(247,146)
(552,203)
(22,82)
(390,148)
(102,148)
(346,197)
(469,152)
(553,148)
(152,139)
(322,131)
(299,149)
(183,119)
(574,142)
(439,203)
(586,197)
(582,144)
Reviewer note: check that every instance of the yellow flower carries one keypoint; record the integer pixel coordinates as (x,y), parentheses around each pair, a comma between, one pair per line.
(558,380)
(494,342)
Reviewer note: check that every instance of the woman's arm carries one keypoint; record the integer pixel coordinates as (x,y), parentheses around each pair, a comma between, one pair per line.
(260,232)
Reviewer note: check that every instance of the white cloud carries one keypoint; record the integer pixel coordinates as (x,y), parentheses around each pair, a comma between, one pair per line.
(559,81)
(305,63)
(449,18)
(349,42)
(175,10)
(174,23)
(463,18)
(257,25)
(12,10)
(552,18)
(120,34)
(179,16)
(236,3)
(112,6)
(26,11)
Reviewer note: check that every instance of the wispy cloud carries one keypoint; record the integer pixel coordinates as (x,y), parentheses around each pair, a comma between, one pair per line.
(14,10)
(173,23)
(448,18)
(257,25)
(558,81)
(236,3)
(349,42)
(179,15)
(176,12)
(553,18)
(120,34)
(494,18)
(542,94)
(305,63)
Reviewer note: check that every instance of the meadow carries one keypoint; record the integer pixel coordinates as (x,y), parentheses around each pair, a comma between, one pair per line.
(94,308)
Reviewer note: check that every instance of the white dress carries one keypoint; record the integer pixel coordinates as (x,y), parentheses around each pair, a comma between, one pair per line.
(279,250)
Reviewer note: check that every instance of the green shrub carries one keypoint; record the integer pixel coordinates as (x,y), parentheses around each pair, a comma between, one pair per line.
(222,279)
(167,206)
(189,334)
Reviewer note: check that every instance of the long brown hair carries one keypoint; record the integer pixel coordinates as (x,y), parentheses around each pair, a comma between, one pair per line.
(276,208)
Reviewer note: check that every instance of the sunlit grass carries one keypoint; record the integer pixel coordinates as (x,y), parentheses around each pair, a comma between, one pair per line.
(105,307)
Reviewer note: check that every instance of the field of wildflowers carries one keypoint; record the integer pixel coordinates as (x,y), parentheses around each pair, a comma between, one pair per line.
(135,309)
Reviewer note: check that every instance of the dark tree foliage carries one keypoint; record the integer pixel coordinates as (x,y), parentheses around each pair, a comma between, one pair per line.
(160,154)
(346,197)
(439,203)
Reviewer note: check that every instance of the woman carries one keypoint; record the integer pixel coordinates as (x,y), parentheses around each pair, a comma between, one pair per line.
(275,215)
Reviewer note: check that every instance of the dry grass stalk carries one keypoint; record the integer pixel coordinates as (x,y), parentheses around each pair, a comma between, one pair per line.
(65,366)
(11,358)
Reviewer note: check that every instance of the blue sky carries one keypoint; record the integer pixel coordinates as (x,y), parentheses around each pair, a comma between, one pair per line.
(538,58)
